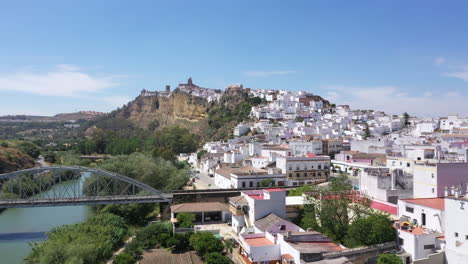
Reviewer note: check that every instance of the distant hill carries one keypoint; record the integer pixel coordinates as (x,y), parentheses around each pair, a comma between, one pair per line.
(86,115)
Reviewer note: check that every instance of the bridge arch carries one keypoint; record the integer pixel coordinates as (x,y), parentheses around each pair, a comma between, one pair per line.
(124,189)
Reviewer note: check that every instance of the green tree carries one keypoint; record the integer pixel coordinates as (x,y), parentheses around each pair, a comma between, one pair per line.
(266,183)
(205,242)
(50,157)
(156,172)
(334,208)
(371,230)
(216,258)
(300,190)
(92,241)
(389,259)
(367,133)
(124,258)
(30,149)
(406,119)
(201,153)
(185,219)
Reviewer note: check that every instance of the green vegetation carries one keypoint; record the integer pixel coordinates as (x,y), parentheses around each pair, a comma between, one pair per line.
(389,259)
(300,190)
(29,148)
(367,133)
(216,258)
(205,242)
(24,186)
(185,219)
(232,109)
(92,241)
(406,119)
(160,235)
(156,172)
(201,153)
(370,230)
(174,140)
(347,219)
(266,183)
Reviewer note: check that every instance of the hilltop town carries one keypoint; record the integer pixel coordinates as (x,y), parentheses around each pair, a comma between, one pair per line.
(414,169)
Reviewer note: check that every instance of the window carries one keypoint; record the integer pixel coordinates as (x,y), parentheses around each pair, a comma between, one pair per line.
(243,184)
(283,227)
(305,174)
(466,237)
(290,175)
(432,175)
(432,190)
(429,246)
(456,234)
(251,184)
(319,174)
(401,241)
(298,174)
(319,167)
(408,164)
(409,209)
(290,167)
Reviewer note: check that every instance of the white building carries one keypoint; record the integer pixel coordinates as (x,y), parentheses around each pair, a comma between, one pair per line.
(456,226)
(421,228)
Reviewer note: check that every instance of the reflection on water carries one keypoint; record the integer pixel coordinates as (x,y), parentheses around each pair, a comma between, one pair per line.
(25,225)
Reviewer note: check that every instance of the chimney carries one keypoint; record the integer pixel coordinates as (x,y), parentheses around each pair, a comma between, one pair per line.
(452,190)
(446,191)
(288,234)
(457,192)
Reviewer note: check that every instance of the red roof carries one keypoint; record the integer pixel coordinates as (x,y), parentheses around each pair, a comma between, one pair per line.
(258,242)
(311,155)
(384,207)
(274,190)
(436,203)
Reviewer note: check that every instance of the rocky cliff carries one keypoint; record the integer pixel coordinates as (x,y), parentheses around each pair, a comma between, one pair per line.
(156,112)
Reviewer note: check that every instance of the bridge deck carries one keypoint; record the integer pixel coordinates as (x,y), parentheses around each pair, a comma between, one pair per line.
(85,201)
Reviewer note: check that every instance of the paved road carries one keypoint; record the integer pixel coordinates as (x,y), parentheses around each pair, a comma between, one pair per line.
(203,181)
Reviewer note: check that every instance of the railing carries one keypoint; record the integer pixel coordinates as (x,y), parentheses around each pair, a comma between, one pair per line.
(360,250)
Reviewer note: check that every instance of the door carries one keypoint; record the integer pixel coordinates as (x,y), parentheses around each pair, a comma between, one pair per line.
(423,219)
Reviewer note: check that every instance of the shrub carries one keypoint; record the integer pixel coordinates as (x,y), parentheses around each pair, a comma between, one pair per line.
(185,219)
(124,258)
(204,242)
(216,258)
(389,259)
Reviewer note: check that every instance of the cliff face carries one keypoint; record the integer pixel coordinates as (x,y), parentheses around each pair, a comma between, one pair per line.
(12,160)
(179,109)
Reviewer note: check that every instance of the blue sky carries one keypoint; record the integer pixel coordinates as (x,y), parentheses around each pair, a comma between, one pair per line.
(65,56)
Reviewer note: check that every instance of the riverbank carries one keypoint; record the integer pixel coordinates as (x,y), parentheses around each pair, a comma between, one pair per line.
(36,219)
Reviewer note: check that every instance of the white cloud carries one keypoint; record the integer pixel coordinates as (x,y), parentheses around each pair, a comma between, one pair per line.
(461,73)
(64,80)
(267,73)
(439,61)
(394,100)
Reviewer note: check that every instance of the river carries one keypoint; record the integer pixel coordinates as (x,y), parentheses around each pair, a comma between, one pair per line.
(20,226)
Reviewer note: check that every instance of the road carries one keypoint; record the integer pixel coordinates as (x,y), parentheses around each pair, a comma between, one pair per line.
(203,181)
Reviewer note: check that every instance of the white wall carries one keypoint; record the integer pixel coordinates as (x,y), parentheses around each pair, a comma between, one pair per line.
(456,222)
(425,181)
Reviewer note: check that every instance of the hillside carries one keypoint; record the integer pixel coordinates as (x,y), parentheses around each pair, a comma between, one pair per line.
(179,109)
(214,120)
(12,159)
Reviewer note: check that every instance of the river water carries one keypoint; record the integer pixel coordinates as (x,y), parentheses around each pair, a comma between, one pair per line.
(21,226)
